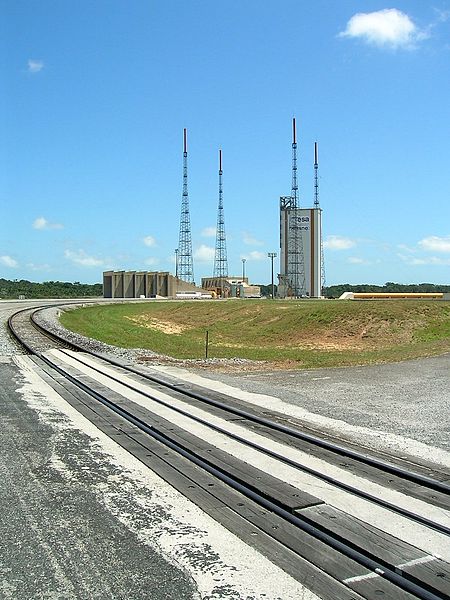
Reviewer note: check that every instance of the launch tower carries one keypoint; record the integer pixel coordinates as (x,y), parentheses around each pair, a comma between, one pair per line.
(300,240)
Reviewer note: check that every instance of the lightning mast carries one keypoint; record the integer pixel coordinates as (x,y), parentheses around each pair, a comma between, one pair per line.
(185,263)
(296,262)
(316,175)
(317,205)
(220,258)
(294,192)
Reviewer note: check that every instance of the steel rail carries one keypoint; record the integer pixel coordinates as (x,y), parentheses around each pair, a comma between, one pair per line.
(385,466)
(405,581)
(335,448)
(327,478)
(44,332)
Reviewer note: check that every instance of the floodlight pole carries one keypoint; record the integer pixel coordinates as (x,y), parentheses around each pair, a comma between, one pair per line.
(243,268)
(272,255)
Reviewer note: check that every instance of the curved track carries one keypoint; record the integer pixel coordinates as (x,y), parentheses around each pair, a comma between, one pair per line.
(279,503)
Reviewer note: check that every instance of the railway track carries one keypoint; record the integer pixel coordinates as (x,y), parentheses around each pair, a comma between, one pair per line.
(222,454)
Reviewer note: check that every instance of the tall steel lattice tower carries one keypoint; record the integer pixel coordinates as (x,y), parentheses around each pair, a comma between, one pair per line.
(296,261)
(185,262)
(220,258)
(317,205)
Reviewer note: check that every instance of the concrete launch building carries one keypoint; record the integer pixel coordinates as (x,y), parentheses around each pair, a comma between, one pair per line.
(306,225)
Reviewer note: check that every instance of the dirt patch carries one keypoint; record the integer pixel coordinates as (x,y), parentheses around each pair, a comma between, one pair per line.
(374,334)
(152,323)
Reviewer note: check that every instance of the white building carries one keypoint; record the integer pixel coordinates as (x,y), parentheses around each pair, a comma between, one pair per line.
(301,251)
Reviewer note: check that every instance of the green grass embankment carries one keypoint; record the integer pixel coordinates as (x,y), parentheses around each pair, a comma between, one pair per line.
(304,334)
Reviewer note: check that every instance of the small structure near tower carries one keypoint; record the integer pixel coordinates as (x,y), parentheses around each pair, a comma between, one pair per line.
(230,287)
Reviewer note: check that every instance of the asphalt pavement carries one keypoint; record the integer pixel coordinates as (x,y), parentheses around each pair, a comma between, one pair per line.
(57,540)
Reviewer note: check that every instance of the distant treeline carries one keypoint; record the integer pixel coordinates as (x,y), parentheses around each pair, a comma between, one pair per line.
(64,289)
(334,291)
(48,289)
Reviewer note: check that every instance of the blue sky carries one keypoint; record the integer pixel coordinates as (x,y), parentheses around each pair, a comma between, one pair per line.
(95,95)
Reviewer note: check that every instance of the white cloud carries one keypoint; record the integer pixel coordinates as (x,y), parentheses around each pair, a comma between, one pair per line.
(388,27)
(249,240)
(34,267)
(429,260)
(255,255)
(7,261)
(355,260)
(204,253)
(81,258)
(42,223)
(151,261)
(336,242)
(149,240)
(406,248)
(434,243)
(209,232)
(35,66)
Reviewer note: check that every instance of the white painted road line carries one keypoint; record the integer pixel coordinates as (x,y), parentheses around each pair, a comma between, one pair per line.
(417,561)
(362,577)
(379,572)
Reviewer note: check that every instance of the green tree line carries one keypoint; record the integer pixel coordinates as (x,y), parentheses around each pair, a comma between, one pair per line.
(48,289)
(334,291)
(65,289)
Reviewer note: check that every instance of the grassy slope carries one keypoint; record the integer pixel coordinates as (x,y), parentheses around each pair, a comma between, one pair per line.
(305,334)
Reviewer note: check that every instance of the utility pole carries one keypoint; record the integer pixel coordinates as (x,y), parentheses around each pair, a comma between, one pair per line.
(317,205)
(176,262)
(272,255)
